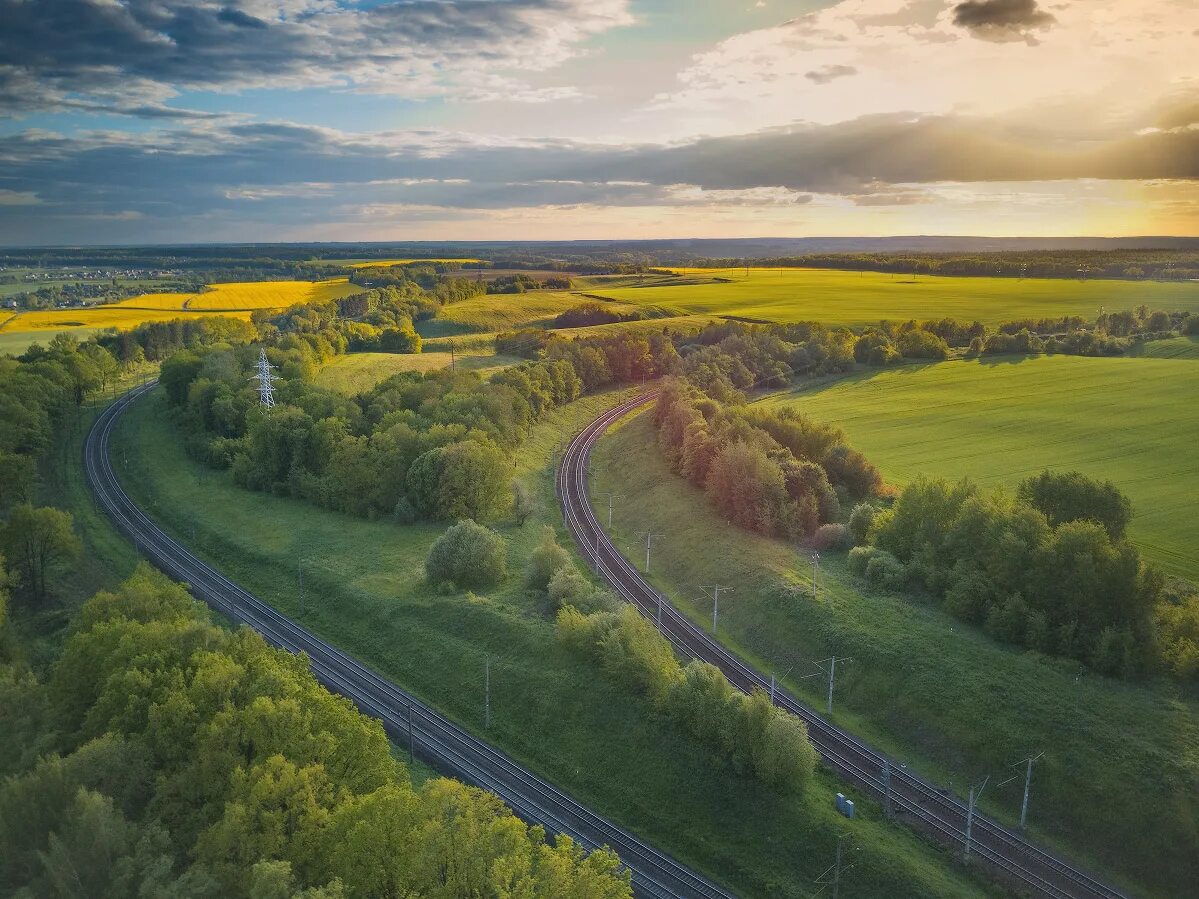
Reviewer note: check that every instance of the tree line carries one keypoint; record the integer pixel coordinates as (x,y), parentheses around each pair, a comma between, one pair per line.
(1174,265)
(776,472)
(166,756)
(1049,568)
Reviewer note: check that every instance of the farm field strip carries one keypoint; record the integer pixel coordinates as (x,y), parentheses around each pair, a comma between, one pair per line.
(850,298)
(356,372)
(1000,421)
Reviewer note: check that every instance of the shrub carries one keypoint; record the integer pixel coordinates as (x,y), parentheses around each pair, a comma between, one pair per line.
(468,555)
(568,587)
(860,520)
(920,344)
(405,512)
(886,571)
(829,537)
(545,561)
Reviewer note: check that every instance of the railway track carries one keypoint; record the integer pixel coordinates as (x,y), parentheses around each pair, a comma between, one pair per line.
(406,720)
(1013,858)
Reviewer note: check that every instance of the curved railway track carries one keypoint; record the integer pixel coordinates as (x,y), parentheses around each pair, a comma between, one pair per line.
(434,737)
(1012,857)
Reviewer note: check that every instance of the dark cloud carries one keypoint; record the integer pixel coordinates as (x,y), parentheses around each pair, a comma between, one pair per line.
(1002,20)
(825,74)
(137,52)
(214,181)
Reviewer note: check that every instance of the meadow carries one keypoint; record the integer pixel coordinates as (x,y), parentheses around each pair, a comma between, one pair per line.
(506,312)
(1116,788)
(357,372)
(852,298)
(364,589)
(1000,420)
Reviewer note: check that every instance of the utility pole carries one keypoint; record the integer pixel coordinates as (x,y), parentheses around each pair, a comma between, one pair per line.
(715,588)
(832,674)
(832,876)
(411,753)
(659,611)
(300,574)
(453,358)
(976,793)
(815,572)
(487,692)
(887,809)
(612,497)
(837,870)
(649,539)
(1027,786)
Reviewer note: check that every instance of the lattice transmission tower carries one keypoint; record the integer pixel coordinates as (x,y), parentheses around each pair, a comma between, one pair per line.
(265,378)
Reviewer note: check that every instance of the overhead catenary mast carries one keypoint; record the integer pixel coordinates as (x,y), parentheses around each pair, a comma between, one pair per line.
(265,378)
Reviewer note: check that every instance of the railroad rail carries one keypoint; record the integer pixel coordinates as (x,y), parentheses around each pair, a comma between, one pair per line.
(1010,855)
(405,718)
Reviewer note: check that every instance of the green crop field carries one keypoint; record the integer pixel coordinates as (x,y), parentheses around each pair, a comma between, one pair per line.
(850,298)
(1125,420)
(356,372)
(506,312)
(365,591)
(1117,786)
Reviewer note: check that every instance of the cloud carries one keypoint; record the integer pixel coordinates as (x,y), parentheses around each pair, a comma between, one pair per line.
(825,74)
(131,57)
(1002,20)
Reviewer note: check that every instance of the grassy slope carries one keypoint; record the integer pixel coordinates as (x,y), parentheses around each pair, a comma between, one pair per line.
(503,312)
(1001,420)
(834,297)
(1118,783)
(356,372)
(366,592)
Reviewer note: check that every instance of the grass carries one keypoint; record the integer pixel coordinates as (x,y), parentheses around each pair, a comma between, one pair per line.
(357,372)
(365,591)
(505,312)
(1117,787)
(850,298)
(1000,420)
(1171,348)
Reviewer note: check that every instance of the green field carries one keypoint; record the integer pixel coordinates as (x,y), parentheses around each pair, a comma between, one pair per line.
(1129,421)
(356,372)
(1118,787)
(505,312)
(365,591)
(850,298)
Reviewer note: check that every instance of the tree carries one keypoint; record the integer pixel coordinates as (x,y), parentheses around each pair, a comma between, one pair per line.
(468,555)
(545,561)
(34,539)
(1071,496)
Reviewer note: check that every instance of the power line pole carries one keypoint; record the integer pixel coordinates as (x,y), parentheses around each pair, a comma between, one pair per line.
(976,793)
(815,572)
(411,753)
(887,809)
(612,497)
(1027,786)
(659,611)
(300,575)
(649,539)
(453,358)
(715,588)
(487,692)
(832,674)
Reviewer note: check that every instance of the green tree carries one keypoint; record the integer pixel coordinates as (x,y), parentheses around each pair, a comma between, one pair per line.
(34,539)
(1071,496)
(468,555)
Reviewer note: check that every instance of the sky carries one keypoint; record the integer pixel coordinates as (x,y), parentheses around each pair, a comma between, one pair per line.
(170,121)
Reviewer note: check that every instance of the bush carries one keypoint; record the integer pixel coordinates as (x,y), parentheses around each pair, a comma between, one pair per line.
(405,512)
(468,555)
(545,561)
(1072,496)
(860,520)
(568,587)
(829,537)
(886,571)
(921,344)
